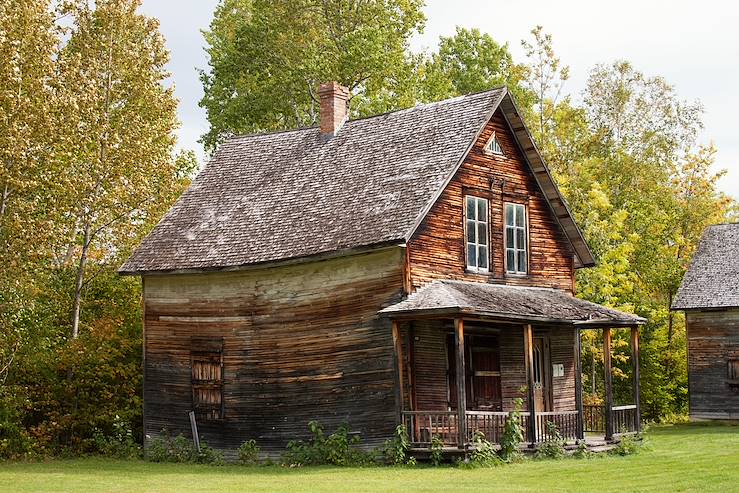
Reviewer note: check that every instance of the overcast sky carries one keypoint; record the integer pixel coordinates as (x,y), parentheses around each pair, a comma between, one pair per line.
(693,46)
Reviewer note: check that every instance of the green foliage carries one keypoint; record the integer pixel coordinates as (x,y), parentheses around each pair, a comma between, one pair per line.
(510,442)
(582,451)
(180,449)
(120,444)
(249,452)
(627,445)
(395,451)
(338,449)
(266,59)
(437,450)
(554,446)
(483,453)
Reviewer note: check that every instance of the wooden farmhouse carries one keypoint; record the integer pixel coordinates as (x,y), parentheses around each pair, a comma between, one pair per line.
(709,295)
(415,267)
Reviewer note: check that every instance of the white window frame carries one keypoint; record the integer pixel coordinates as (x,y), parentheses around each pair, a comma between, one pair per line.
(493,146)
(477,244)
(517,249)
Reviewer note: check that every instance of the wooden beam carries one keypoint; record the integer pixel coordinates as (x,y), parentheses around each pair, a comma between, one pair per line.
(608,382)
(528,352)
(398,357)
(461,390)
(578,385)
(635,367)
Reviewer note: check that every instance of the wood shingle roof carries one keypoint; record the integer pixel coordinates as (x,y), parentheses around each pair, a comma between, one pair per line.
(295,194)
(500,301)
(712,280)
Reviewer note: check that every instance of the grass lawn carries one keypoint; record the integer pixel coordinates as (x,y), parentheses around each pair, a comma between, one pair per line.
(676,458)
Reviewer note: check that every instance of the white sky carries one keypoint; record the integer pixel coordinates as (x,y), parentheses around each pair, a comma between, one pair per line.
(694,46)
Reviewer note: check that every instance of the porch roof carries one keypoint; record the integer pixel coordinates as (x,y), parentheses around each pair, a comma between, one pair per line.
(508,303)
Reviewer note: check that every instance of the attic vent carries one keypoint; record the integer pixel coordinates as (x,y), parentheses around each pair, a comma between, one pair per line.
(493,146)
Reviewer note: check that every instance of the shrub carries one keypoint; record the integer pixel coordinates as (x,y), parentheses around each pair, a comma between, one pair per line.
(582,451)
(510,442)
(627,445)
(554,446)
(437,450)
(483,454)
(338,449)
(248,452)
(180,449)
(15,442)
(120,444)
(395,451)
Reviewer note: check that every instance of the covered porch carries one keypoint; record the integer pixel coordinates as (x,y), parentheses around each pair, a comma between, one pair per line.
(466,352)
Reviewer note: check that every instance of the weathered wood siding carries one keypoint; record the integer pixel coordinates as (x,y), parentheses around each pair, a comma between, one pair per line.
(437,249)
(713,339)
(300,343)
(427,380)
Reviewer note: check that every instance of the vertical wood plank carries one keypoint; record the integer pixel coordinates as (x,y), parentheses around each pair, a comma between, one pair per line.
(635,355)
(608,382)
(461,390)
(528,351)
(579,432)
(397,344)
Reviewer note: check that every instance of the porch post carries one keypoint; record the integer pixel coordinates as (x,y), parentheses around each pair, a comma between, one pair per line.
(608,382)
(461,390)
(528,351)
(578,385)
(635,365)
(398,353)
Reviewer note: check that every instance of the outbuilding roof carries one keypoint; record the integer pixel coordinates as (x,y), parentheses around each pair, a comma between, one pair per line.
(712,280)
(295,194)
(505,302)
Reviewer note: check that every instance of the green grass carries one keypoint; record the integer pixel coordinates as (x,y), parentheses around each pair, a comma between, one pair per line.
(676,458)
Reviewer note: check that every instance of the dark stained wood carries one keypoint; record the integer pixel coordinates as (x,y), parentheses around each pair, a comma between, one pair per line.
(713,341)
(608,382)
(399,363)
(300,343)
(635,355)
(461,386)
(528,350)
(577,353)
(437,249)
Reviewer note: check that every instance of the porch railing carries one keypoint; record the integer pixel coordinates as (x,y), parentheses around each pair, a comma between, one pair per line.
(624,419)
(422,426)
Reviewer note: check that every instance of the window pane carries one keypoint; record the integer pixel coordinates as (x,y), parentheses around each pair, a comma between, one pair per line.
(509,215)
(483,258)
(509,232)
(510,260)
(520,240)
(482,210)
(519,215)
(521,261)
(471,231)
(470,207)
(471,256)
(482,233)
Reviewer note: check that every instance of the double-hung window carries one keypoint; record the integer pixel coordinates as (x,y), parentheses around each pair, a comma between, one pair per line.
(477,233)
(515,239)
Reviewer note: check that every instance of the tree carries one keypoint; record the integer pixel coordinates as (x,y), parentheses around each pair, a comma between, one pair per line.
(545,79)
(267,58)
(28,43)
(468,62)
(119,169)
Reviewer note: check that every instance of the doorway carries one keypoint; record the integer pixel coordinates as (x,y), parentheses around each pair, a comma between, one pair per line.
(542,377)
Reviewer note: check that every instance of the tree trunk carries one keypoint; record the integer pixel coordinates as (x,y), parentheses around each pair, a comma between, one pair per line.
(4,199)
(80,282)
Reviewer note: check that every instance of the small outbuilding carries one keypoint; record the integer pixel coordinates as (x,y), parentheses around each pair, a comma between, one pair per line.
(709,295)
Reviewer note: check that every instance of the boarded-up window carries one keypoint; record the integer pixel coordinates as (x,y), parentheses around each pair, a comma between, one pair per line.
(207,378)
(734,370)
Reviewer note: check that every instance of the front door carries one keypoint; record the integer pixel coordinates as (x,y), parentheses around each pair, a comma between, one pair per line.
(541,376)
(482,379)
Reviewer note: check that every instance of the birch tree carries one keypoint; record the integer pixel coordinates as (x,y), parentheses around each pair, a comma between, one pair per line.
(119,170)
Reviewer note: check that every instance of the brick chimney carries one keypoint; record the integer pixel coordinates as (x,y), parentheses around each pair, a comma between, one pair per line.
(334,107)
